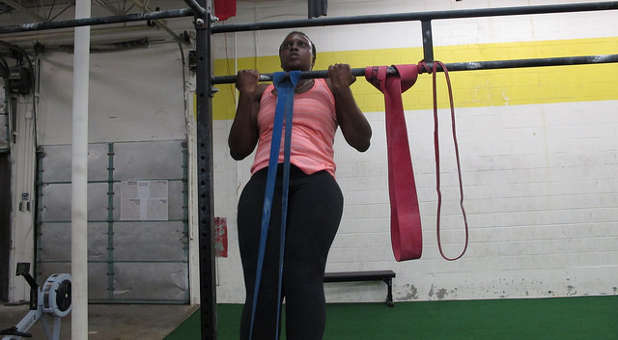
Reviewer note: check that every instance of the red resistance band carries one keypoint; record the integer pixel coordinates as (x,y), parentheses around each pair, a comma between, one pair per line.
(406,233)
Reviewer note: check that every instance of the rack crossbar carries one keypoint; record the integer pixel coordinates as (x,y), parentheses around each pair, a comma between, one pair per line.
(463,66)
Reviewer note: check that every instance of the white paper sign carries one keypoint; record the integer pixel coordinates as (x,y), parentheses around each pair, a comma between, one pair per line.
(144,200)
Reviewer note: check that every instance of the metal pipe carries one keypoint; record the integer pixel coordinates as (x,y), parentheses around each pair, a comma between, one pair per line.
(230,79)
(65,36)
(420,16)
(464,66)
(196,8)
(38,26)
(535,62)
(79,175)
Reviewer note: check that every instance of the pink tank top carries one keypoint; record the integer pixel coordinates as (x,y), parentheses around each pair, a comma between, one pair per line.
(313,130)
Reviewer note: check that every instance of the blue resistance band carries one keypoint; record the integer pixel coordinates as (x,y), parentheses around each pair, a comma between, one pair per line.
(285,84)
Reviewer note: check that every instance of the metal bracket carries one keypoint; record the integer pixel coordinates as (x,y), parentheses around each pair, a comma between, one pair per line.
(199,23)
(427,42)
(198,10)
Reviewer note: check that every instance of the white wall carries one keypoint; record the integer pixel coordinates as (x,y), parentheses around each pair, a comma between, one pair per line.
(22,219)
(541,199)
(408,34)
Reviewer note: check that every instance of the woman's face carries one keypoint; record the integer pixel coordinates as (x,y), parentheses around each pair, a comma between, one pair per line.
(295,53)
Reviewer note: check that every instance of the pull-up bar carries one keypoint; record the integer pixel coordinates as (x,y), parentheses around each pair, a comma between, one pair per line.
(465,66)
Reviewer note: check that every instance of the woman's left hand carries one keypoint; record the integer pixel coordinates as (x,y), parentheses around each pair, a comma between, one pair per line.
(354,125)
(340,76)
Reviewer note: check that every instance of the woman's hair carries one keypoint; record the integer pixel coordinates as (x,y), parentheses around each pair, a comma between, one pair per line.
(313,50)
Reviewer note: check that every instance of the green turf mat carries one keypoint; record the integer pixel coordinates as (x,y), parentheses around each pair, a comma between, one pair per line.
(556,318)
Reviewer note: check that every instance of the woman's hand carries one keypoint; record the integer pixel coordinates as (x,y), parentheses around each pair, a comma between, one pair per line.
(354,125)
(244,132)
(247,81)
(340,76)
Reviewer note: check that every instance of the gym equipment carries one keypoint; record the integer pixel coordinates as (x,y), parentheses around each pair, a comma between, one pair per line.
(50,303)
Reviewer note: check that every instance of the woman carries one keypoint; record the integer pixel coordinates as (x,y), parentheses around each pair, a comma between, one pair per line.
(315,201)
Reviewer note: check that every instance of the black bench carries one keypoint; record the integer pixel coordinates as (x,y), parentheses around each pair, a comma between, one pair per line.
(377,275)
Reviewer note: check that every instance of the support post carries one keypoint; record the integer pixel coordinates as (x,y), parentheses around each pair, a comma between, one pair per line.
(205,176)
(427,42)
(79,175)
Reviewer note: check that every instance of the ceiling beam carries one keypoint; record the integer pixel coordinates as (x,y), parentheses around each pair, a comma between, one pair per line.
(19,7)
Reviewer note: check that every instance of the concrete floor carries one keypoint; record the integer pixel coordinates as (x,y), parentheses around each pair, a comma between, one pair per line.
(111,322)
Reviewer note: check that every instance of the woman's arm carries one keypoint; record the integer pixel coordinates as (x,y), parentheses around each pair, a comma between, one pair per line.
(244,132)
(354,125)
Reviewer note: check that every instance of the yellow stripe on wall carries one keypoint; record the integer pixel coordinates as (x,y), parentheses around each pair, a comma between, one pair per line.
(535,85)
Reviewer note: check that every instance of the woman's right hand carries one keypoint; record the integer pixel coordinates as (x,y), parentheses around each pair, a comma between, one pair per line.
(244,132)
(247,81)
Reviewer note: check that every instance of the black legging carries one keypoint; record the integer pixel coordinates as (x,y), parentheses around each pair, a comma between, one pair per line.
(315,204)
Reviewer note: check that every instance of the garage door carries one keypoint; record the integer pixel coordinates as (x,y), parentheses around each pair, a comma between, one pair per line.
(137,220)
